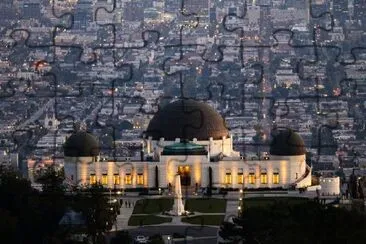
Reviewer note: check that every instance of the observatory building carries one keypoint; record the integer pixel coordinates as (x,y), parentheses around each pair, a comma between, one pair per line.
(189,138)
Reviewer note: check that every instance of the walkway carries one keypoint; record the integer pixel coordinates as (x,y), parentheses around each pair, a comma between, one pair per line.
(126,212)
(231,209)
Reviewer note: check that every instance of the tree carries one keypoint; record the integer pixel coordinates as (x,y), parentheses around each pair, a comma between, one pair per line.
(100,216)
(19,209)
(52,180)
(156,176)
(302,222)
(52,199)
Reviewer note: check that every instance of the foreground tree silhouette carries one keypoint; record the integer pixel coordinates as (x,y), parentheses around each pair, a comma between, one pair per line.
(20,212)
(53,201)
(93,204)
(308,222)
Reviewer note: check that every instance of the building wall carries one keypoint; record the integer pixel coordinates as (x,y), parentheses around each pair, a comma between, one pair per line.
(330,185)
(226,173)
(172,162)
(290,169)
(77,169)
(215,147)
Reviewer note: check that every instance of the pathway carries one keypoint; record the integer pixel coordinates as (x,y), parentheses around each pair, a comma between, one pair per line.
(231,208)
(122,219)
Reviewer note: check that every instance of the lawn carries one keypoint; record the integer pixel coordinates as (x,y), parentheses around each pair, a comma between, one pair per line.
(265,201)
(204,219)
(147,220)
(206,205)
(152,206)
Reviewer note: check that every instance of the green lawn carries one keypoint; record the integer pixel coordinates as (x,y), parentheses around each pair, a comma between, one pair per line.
(151,206)
(206,205)
(265,201)
(147,220)
(204,219)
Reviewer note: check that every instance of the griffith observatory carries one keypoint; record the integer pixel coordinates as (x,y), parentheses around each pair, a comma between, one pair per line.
(189,138)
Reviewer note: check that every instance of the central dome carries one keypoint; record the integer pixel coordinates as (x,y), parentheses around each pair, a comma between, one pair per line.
(187,119)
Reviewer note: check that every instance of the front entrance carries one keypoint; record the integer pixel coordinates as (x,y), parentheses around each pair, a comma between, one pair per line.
(185,175)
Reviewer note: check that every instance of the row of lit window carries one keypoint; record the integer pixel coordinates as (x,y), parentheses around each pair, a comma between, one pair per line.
(251,178)
(117,179)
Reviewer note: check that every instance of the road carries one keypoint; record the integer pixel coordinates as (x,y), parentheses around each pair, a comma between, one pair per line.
(194,231)
(197,234)
(37,114)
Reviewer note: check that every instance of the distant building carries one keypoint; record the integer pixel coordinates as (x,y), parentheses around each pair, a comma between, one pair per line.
(9,159)
(330,186)
(31,10)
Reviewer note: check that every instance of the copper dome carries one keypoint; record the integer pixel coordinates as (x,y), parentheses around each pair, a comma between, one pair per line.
(81,144)
(287,143)
(187,119)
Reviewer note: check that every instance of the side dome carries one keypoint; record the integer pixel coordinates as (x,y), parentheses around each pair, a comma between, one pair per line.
(287,143)
(81,144)
(187,119)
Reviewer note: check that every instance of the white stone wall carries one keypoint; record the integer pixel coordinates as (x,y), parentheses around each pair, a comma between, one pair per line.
(172,162)
(291,169)
(214,147)
(77,168)
(330,185)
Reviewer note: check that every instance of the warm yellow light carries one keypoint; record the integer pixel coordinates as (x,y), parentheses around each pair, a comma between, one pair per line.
(104,179)
(140,179)
(116,179)
(240,179)
(93,179)
(251,178)
(128,179)
(264,178)
(228,179)
(276,178)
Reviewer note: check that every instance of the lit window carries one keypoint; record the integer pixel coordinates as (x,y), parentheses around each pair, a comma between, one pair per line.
(240,176)
(276,178)
(251,178)
(263,178)
(228,177)
(93,179)
(128,179)
(104,179)
(116,179)
(140,179)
